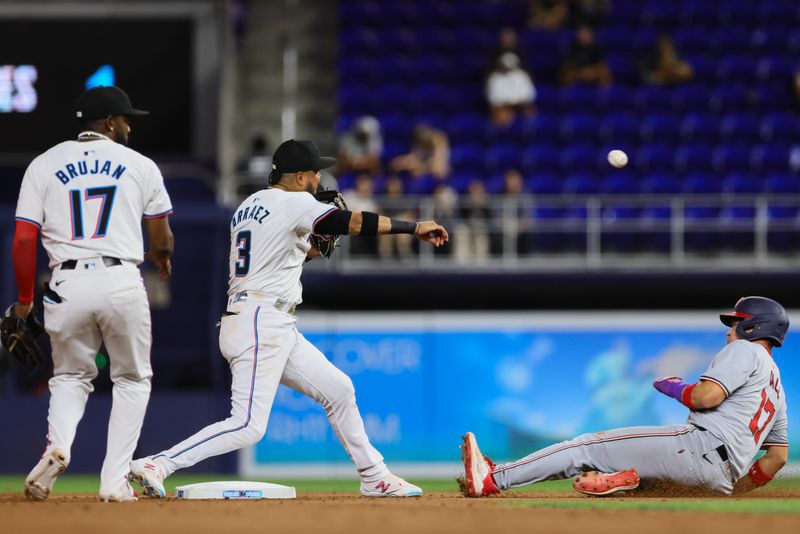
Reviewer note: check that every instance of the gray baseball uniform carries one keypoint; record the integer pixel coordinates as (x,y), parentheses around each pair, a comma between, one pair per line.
(713,450)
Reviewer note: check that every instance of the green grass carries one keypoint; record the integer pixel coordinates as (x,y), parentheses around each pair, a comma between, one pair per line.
(752,506)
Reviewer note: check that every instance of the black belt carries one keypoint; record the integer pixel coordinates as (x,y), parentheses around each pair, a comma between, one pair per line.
(721,450)
(107,260)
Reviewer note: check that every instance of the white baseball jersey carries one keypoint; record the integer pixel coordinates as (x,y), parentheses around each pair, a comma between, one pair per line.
(89,197)
(753,413)
(270,234)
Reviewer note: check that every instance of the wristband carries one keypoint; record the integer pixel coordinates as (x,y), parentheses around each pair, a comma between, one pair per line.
(757,475)
(686,397)
(369,223)
(403,227)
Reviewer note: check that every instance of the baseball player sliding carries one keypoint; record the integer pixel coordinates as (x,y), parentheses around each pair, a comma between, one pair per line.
(88,196)
(737,408)
(271,236)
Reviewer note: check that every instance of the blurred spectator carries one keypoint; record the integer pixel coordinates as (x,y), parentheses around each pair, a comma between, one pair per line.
(472,243)
(549,14)
(394,205)
(253,169)
(585,62)
(591,13)
(445,202)
(259,160)
(430,154)
(664,65)
(508,43)
(360,149)
(361,198)
(509,90)
(513,191)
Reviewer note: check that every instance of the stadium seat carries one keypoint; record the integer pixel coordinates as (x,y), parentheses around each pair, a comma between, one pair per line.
(660,184)
(691,38)
(736,69)
(731,158)
(542,127)
(544,184)
(655,157)
(701,184)
(775,70)
(614,99)
(578,128)
(467,157)
(741,184)
(730,40)
(620,128)
(578,158)
(578,98)
(502,157)
(769,158)
(690,99)
(466,128)
(541,158)
(739,128)
(780,128)
(660,128)
(728,99)
(581,184)
(692,157)
(428,98)
(768,41)
(699,128)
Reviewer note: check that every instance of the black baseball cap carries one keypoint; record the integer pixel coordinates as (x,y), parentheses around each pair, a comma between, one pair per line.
(298,155)
(100,102)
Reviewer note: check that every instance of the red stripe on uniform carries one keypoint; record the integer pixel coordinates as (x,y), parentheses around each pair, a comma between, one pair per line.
(593,442)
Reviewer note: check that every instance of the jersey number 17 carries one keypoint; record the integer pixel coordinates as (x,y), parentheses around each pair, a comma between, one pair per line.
(76,200)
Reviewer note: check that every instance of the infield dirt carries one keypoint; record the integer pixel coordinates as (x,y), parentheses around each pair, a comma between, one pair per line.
(351,514)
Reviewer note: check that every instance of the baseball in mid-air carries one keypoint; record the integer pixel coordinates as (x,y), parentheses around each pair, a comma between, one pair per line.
(617,158)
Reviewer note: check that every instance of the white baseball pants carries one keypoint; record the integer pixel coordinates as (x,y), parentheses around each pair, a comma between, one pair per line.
(99,304)
(264,348)
(677,453)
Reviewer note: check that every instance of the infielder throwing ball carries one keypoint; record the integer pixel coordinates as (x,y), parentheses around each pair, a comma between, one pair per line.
(270,242)
(737,408)
(88,197)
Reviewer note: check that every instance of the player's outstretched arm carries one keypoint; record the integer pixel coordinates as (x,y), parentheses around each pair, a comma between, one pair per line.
(702,395)
(162,244)
(763,470)
(367,223)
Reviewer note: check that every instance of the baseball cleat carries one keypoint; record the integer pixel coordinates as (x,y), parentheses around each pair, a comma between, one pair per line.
(478,480)
(40,480)
(390,486)
(125,494)
(149,475)
(599,484)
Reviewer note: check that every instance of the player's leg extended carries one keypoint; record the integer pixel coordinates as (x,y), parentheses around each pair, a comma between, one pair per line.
(74,339)
(310,373)
(125,324)
(256,342)
(657,453)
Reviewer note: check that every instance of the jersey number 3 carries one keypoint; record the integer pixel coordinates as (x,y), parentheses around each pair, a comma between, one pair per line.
(767,405)
(243,245)
(76,209)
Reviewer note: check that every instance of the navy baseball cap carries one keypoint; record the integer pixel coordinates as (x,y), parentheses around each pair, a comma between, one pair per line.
(298,156)
(100,102)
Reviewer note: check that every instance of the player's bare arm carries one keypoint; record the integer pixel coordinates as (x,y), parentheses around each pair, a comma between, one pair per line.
(764,470)
(162,244)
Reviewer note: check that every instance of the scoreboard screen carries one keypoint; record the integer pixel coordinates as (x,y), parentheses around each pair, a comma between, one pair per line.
(45,64)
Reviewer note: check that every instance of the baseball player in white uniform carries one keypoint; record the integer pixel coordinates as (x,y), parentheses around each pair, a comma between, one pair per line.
(270,235)
(88,196)
(737,408)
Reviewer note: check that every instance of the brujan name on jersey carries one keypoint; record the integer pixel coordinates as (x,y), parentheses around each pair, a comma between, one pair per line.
(270,234)
(89,198)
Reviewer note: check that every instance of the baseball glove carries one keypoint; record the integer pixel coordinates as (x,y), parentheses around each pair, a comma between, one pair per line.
(19,335)
(327,243)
